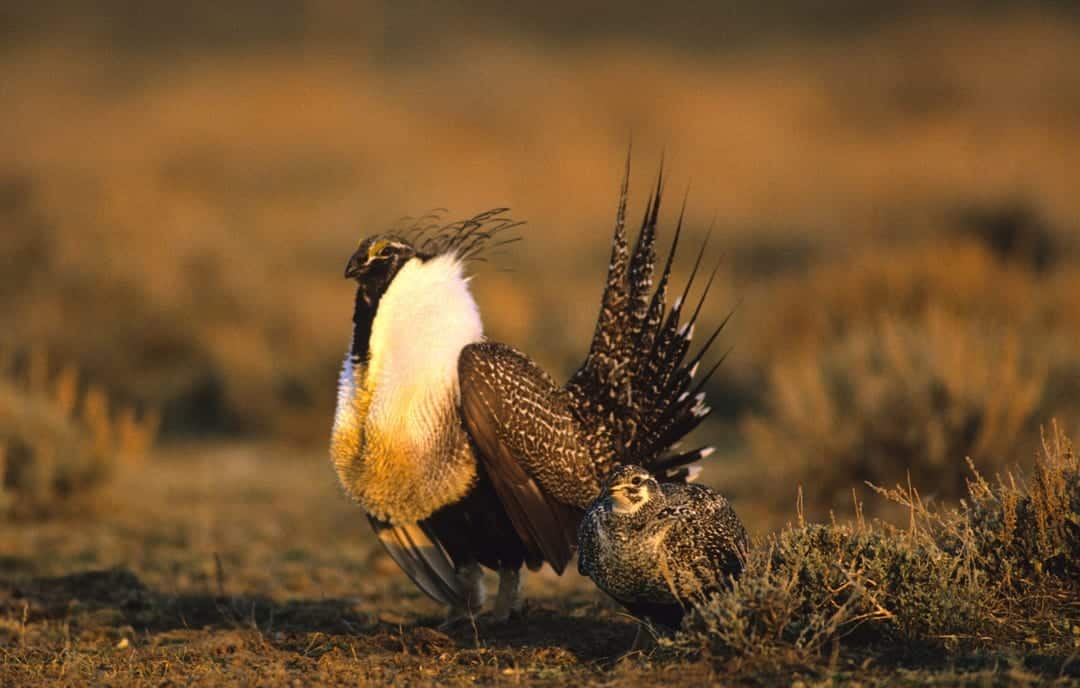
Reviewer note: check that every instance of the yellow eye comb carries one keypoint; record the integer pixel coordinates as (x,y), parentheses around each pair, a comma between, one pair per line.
(376,247)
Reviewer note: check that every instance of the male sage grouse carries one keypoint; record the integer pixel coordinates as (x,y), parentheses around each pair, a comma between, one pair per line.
(657,547)
(462,451)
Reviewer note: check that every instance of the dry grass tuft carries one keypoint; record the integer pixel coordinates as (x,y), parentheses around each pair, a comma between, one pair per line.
(59,438)
(997,572)
(1028,529)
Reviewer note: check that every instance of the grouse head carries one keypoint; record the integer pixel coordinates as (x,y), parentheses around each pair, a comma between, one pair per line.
(631,487)
(375,263)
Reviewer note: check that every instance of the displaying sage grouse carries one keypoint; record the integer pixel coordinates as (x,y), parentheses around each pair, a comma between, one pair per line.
(657,548)
(462,451)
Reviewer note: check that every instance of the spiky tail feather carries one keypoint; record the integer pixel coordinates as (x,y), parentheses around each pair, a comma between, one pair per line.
(636,379)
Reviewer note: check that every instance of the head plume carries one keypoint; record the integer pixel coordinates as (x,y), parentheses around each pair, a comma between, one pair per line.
(468,239)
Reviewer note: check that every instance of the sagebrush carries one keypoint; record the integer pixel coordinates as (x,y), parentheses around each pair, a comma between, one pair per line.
(995,572)
(908,363)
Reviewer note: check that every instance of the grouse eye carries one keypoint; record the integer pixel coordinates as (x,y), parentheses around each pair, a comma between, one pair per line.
(380,249)
(636,480)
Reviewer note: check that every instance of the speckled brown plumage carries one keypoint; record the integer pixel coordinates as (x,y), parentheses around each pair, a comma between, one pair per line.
(658,548)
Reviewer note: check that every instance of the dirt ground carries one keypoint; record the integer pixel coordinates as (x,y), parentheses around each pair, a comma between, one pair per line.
(226,565)
(244,565)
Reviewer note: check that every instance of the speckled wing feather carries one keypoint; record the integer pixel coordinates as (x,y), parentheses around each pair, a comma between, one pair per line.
(417,551)
(528,440)
(636,391)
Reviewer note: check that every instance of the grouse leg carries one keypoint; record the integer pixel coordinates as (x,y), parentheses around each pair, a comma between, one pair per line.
(472,578)
(509,599)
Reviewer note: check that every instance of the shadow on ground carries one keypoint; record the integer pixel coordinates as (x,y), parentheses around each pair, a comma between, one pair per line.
(117,598)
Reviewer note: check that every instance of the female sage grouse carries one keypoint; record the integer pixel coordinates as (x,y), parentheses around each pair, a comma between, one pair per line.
(462,451)
(659,547)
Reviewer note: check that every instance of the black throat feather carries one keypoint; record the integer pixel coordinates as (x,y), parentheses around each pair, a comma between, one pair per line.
(363,317)
(369,292)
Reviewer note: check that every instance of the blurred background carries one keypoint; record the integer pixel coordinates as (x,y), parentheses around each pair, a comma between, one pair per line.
(892,187)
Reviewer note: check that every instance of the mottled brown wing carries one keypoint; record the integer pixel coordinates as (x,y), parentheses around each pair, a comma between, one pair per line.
(416,550)
(528,440)
(706,543)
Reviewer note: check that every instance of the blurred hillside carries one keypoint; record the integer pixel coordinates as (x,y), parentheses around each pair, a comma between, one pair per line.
(182,183)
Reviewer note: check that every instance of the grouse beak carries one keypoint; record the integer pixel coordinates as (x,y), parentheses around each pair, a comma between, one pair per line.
(615,487)
(620,484)
(355,266)
(621,489)
(627,498)
(618,491)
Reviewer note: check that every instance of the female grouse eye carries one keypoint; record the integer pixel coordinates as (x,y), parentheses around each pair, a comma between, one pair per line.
(636,480)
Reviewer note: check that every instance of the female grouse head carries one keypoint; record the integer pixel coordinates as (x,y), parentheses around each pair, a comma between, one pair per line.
(630,488)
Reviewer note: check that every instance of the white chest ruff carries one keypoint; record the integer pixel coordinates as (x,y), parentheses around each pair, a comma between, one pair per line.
(398,445)
(425,318)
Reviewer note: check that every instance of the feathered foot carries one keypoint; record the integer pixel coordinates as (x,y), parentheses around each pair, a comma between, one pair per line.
(509,599)
(471,578)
